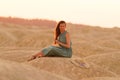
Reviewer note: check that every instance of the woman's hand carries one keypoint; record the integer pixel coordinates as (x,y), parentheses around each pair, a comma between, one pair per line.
(67,44)
(58,42)
(55,44)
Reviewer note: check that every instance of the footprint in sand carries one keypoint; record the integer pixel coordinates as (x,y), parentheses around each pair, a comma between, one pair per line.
(80,63)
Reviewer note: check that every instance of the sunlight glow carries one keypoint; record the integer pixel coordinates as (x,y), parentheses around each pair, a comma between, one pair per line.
(105,13)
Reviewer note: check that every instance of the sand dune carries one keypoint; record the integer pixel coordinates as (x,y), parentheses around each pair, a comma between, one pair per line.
(16,71)
(102,78)
(64,67)
(110,61)
(98,47)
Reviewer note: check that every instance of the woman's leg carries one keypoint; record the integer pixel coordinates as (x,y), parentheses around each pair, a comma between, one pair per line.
(40,54)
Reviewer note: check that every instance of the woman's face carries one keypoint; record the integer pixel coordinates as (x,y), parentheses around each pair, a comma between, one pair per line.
(62,27)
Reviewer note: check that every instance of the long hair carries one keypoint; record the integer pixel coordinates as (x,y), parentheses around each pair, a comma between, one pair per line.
(57,30)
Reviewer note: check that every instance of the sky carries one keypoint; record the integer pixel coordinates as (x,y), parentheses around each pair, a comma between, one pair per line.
(104,13)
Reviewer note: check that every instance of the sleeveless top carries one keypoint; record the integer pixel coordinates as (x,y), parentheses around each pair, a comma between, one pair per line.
(62,38)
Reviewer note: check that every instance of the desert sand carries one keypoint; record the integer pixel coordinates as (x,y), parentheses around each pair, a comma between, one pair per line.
(95,46)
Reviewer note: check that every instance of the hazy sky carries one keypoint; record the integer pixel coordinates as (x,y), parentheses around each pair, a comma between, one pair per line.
(104,13)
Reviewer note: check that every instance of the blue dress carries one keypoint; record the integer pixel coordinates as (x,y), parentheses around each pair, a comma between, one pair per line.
(58,51)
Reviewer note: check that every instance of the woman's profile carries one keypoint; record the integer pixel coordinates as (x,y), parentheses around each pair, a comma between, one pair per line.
(61,46)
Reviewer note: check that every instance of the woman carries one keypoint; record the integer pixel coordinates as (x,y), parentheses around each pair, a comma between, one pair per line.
(61,46)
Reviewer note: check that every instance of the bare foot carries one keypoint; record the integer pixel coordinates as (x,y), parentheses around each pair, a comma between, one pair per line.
(32,58)
(39,56)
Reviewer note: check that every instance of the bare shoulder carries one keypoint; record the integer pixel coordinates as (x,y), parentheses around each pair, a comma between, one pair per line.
(67,34)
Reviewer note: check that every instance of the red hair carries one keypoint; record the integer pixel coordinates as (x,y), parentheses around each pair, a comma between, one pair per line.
(57,30)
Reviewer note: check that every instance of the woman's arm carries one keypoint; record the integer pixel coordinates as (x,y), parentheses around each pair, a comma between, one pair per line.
(54,41)
(67,45)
